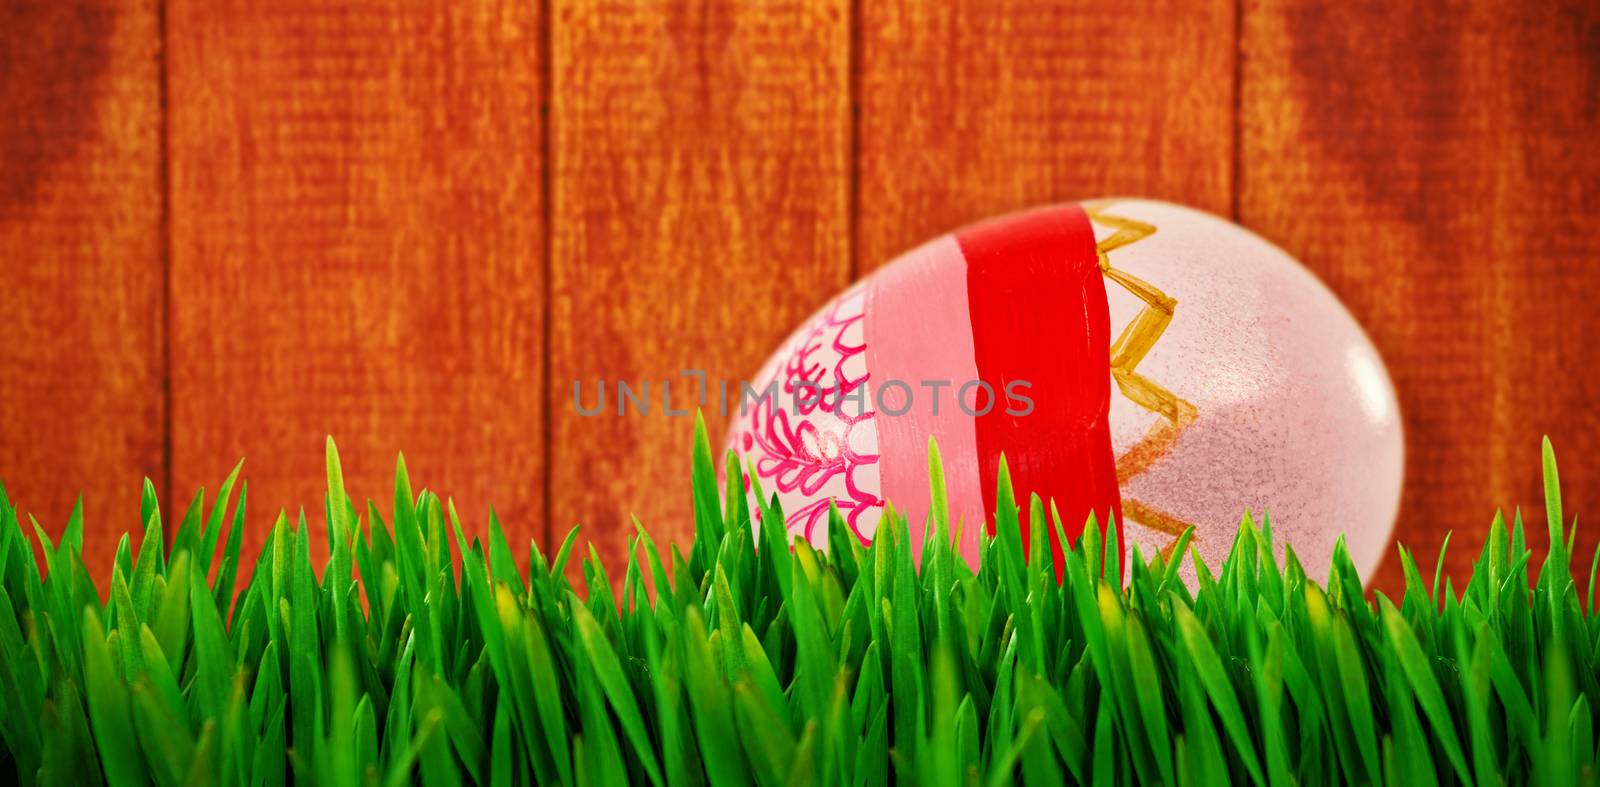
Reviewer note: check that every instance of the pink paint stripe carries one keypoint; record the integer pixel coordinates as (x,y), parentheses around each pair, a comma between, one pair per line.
(918,328)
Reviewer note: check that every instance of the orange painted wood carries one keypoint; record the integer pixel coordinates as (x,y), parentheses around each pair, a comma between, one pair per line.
(700,177)
(1437,168)
(975,107)
(81,261)
(358,236)
(357,249)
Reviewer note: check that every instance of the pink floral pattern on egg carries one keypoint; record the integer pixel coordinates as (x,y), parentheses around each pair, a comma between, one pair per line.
(814,439)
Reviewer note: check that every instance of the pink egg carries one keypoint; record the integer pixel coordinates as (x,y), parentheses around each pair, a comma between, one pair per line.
(1131,359)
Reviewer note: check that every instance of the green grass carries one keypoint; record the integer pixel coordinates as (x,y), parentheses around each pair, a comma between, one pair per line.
(762,664)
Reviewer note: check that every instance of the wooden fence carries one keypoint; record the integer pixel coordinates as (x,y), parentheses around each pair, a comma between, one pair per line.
(230,228)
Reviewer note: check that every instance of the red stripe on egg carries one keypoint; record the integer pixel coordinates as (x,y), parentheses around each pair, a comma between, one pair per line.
(1038,308)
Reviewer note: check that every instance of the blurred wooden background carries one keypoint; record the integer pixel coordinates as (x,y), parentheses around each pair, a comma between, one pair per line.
(230,228)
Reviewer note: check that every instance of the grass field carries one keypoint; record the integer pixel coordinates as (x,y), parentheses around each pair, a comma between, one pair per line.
(410,654)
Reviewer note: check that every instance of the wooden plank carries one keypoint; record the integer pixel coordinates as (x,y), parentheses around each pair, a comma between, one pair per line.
(1436,168)
(700,186)
(974,108)
(82,250)
(358,251)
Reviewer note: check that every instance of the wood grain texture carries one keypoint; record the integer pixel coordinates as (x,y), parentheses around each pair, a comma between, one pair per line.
(357,251)
(357,195)
(1436,167)
(975,107)
(81,257)
(700,185)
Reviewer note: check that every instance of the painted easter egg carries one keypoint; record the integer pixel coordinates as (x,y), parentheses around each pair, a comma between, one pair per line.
(1130,358)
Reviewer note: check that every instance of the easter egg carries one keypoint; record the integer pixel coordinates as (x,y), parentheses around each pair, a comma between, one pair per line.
(1135,360)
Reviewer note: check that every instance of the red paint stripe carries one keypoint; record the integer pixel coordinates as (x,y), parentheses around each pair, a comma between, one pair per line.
(1039,313)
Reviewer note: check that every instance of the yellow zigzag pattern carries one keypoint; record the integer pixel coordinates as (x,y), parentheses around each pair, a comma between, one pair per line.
(1136,341)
